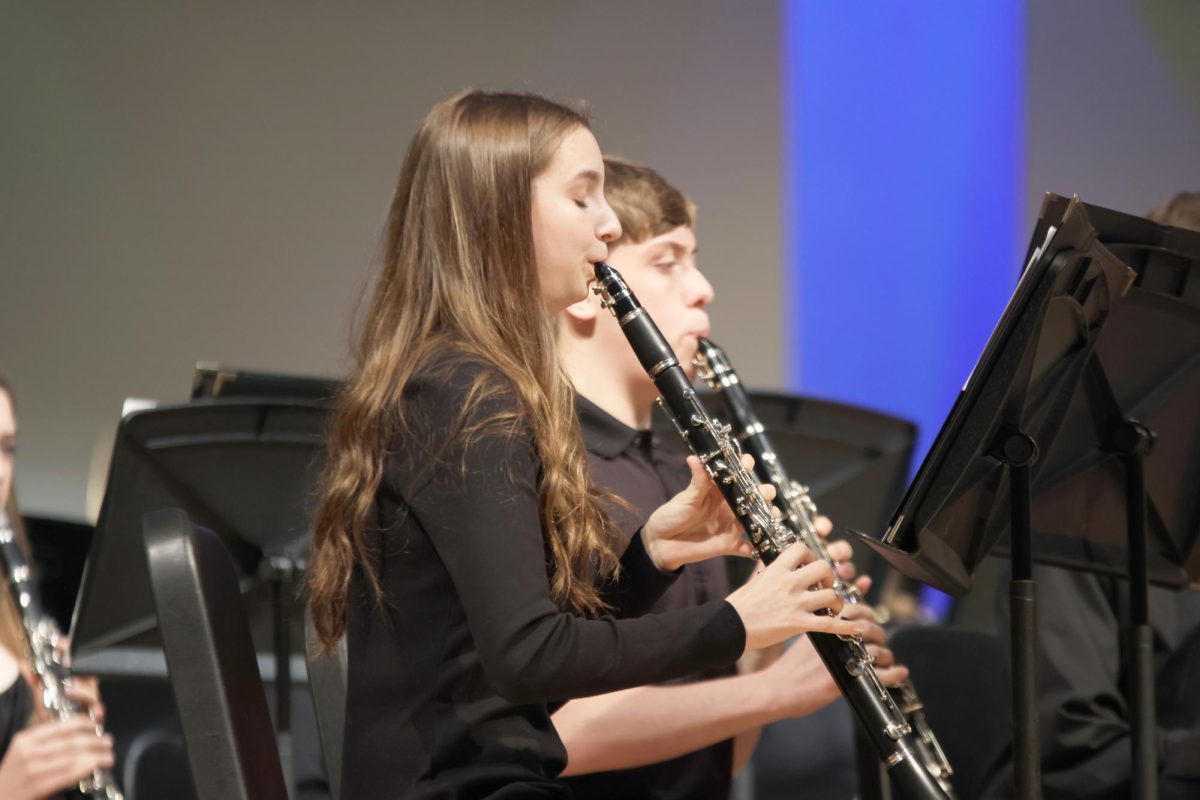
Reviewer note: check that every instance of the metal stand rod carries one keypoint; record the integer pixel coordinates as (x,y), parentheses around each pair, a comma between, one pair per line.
(1140,637)
(281,597)
(1022,599)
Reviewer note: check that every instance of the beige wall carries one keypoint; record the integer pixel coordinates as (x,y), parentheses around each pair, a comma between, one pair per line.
(206,181)
(1113,101)
(186,182)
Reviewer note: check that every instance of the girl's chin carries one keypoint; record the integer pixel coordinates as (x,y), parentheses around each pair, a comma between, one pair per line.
(556,305)
(584,292)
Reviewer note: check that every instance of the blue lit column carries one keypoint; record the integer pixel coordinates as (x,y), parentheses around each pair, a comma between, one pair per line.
(903,148)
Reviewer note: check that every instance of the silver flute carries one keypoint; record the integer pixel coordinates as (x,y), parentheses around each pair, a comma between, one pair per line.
(799,511)
(845,657)
(44,639)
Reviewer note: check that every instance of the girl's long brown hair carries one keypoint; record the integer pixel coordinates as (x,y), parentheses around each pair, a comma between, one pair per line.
(12,626)
(458,275)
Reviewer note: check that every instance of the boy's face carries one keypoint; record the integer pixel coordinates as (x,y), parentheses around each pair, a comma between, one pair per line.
(662,272)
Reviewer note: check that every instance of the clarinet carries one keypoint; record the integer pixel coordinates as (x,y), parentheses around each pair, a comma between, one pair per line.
(715,369)
(845,657)
(44,637)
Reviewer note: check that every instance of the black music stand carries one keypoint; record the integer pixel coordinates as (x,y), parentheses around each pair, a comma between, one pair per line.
(212,380)
(1147,369)
(1129,451)
(977,478)
(241,468)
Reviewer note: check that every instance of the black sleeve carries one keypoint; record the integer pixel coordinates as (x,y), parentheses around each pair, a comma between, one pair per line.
(640,583)
(16,709)
(478,504)
(1083,718)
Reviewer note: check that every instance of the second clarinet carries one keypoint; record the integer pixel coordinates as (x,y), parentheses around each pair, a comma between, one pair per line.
(799,510)
(886,727)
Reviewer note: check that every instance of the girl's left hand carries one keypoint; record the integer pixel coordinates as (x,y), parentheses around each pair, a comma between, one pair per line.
(697,523)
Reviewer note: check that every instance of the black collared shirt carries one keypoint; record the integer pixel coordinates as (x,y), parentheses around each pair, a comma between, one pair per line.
(647,469)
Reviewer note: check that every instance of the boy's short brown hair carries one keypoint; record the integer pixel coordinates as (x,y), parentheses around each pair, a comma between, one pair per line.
(646,205)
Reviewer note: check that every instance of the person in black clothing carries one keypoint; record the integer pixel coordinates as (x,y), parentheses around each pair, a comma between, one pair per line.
(38,756)
(685,739)
(459,543)
(1082,671)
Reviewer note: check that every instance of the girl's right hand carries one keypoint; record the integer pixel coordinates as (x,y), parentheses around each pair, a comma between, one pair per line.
(779,602)
(51,756)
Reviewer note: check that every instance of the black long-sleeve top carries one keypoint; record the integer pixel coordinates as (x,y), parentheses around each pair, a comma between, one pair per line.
(449,679)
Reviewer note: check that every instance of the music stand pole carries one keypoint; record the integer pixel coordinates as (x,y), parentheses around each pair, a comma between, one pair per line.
(282,571)
(1133,442)
(1019,451)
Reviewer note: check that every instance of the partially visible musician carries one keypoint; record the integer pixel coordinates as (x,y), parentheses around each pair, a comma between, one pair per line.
(459,544)
(38,757)
(684,739)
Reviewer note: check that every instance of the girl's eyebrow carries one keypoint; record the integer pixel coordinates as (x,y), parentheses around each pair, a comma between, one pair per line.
(589,175)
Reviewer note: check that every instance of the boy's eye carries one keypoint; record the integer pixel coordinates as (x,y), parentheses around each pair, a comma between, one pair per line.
(581,203)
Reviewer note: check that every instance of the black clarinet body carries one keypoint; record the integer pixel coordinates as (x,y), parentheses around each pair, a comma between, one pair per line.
(845,657)
(799,510)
